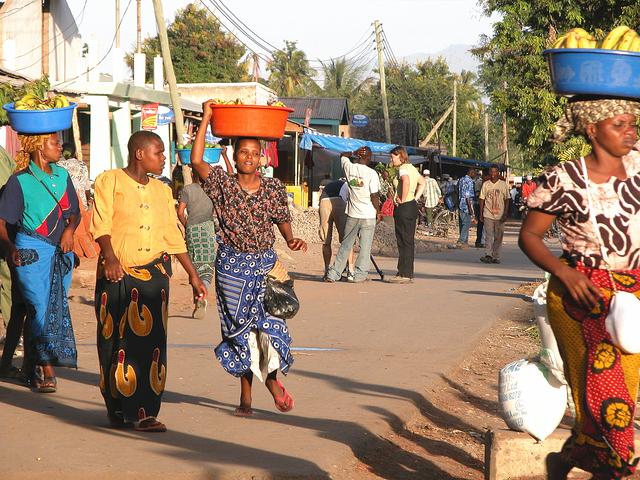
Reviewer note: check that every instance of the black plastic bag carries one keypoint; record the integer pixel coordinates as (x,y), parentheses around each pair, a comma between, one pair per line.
(280,299)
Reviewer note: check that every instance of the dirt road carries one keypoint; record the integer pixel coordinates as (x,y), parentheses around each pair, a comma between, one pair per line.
(365,355)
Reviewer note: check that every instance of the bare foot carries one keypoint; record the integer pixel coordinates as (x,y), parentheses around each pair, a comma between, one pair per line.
(242,411)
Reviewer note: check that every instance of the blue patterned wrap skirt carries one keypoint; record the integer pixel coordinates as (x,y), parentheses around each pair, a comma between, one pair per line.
(240,286)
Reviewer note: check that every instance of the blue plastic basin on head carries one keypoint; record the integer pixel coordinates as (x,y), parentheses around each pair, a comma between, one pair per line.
(211,155)
(40,121)
(592,71)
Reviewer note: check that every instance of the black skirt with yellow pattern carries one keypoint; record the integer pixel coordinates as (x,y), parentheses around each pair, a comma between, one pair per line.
(132,339)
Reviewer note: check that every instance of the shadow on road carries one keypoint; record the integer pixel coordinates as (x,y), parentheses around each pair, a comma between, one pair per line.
(180,445)
(526,298)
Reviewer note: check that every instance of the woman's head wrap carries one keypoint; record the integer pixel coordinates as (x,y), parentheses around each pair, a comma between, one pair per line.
(578,114)
(29,144)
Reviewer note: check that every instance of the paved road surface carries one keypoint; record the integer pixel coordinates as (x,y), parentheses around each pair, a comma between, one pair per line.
(366,352)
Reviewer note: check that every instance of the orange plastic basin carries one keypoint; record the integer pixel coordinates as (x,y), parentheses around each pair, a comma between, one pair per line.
(260,121)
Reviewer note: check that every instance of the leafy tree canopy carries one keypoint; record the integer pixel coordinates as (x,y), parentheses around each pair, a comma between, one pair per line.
(200,50)
(289,72)
(424,92)
(514,72)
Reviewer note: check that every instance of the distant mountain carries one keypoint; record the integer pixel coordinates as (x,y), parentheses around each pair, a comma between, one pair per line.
(458,57)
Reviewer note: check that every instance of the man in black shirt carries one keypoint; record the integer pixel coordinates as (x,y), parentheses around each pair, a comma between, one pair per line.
(333,203)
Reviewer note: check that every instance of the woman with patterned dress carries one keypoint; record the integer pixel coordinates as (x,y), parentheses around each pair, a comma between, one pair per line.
(41,202)
(134,221)
(596,200)
(247,206)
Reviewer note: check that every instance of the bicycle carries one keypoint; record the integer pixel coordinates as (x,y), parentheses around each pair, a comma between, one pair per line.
(443,221)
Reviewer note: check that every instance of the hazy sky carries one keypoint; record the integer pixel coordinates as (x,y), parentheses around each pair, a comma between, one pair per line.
(323,29)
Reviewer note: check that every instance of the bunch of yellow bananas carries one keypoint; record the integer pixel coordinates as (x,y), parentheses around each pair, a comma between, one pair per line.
(576,38)
(33,102)
(622,38)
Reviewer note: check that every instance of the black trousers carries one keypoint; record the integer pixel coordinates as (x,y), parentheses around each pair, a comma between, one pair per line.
(405,216)
(480,225)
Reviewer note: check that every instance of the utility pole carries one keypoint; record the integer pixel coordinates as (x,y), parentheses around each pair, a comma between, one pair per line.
(139,26)
(383,82)
(505,139)
(117,23)
(171,79)
(486,137)
(46,18)
(455,117)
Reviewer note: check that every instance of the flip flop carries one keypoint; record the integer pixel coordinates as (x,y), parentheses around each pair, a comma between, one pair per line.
(150,425)
(47,385)
(284,402)
(243,412)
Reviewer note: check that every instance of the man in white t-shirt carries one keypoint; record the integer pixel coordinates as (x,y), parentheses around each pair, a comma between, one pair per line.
(363,210)
(494,207)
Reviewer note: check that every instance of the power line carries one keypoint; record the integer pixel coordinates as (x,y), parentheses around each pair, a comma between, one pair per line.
(246,26)
(239,28)
(262,57)
(62,32)
(104,57)
(356,47)
(16,10)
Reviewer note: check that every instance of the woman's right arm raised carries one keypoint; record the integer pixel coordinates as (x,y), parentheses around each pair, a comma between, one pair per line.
(197,150)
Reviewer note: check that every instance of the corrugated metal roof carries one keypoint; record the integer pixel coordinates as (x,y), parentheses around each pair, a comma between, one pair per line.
(321,108)
(12,78)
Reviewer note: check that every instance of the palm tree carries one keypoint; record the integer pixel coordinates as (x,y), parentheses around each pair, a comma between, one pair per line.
(290,73)
(343,78)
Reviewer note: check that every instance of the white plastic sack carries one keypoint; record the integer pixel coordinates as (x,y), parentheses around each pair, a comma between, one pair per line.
(531,399)
(549,354)
(622,322)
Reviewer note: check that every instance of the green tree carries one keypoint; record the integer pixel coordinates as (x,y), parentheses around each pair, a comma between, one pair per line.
(290,73)
(343,78)
(200,50)
(423,92)
(514,73)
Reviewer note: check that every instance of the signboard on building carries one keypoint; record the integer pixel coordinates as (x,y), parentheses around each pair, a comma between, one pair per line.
(150,116)
(165,115)
(359,120)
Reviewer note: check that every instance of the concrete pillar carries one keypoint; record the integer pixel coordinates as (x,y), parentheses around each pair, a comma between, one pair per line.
(118,65)
(139,69)
(100,151)
(163,132)
(120,133)
(158,73)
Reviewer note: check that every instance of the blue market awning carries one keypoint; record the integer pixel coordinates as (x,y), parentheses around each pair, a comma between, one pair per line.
(340,144)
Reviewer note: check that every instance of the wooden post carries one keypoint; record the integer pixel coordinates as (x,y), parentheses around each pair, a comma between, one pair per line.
(171,80)
(455,117)
(486,137)
(383,82)
(76,134)
(117,23)
(46,19)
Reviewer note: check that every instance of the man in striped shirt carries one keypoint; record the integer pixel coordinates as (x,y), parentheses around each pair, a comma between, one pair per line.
(431,196)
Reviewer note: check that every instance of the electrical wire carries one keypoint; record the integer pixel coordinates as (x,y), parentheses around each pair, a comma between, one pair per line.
(104,57)
(74,23)
(262,57)
(238,27)
(247,27)
(356,47)
(16,10)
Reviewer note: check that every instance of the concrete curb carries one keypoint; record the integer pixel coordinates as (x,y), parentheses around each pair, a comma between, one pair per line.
(513,455)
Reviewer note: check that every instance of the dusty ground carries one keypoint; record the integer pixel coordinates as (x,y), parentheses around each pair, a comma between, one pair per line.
(448,435)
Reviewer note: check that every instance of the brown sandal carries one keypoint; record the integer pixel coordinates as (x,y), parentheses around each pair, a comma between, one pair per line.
(150,424)
(46,385)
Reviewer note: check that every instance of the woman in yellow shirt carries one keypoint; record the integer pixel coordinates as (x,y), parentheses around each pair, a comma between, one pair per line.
(410,185)
(135,223)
